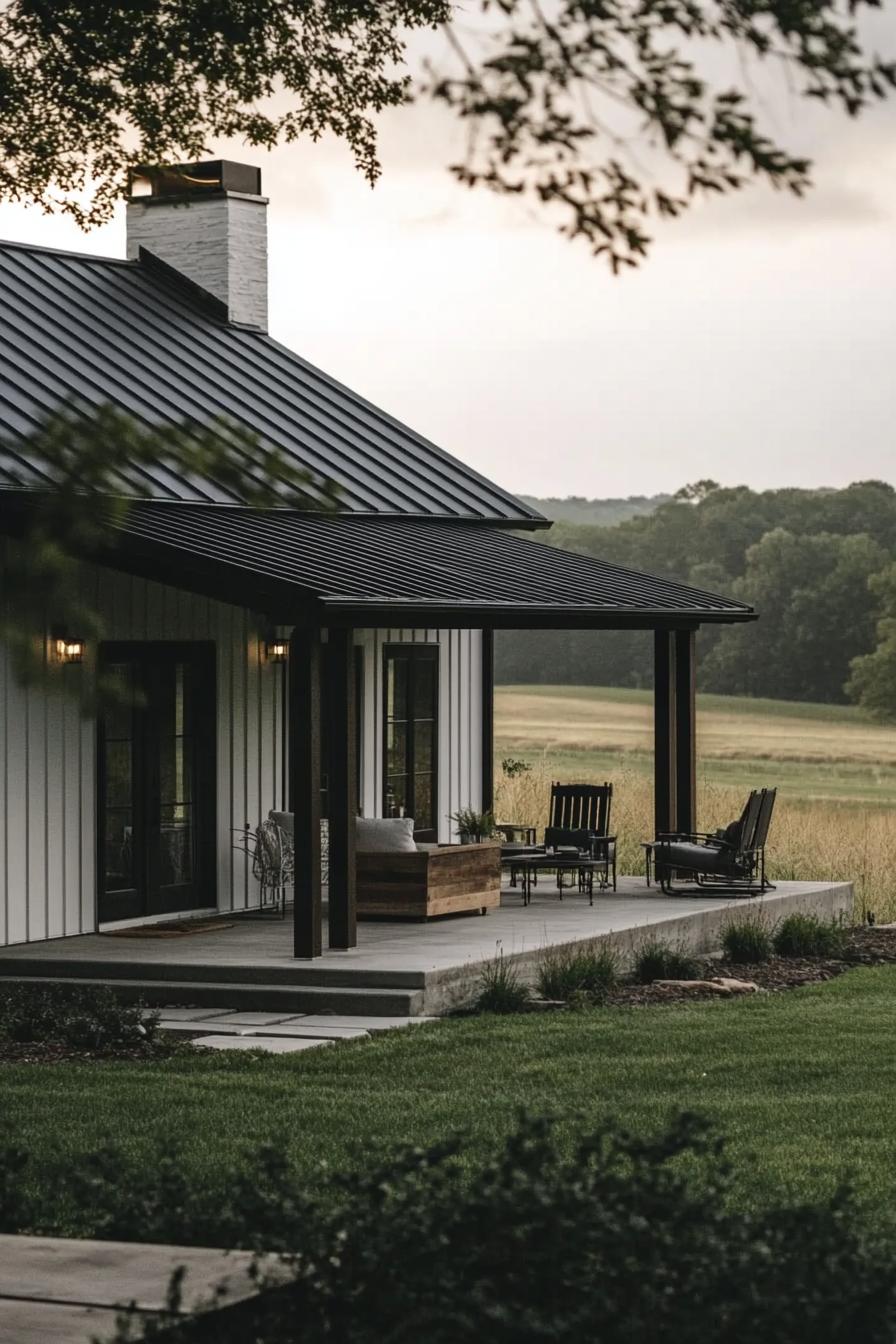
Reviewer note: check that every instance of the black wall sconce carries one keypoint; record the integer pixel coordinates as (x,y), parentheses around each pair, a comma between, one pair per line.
(67,648)
(276,650)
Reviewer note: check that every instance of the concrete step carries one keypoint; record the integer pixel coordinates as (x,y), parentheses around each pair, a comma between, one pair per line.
(217,970)
(255,997)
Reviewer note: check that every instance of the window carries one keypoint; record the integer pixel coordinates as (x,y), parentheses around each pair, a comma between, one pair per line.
(410,726)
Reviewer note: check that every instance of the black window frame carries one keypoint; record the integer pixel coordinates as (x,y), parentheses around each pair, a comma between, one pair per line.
(415,653)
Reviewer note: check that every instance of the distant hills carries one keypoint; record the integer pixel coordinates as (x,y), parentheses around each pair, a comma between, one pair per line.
(600,512)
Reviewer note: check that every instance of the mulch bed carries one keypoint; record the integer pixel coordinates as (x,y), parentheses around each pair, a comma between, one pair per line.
(865,946)
(54,1052)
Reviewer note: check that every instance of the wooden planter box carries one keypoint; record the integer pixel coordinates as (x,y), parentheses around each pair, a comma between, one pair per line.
(444,881)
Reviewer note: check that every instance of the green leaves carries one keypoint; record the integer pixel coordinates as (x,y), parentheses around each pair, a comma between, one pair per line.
(87,89)
(872,682)
(599,111)
(585,105)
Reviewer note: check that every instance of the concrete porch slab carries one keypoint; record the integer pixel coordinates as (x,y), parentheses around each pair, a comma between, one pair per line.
(399,969)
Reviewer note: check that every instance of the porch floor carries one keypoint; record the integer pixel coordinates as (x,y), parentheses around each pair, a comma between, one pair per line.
(442,958)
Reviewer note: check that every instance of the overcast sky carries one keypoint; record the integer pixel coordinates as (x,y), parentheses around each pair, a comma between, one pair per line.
(755,345)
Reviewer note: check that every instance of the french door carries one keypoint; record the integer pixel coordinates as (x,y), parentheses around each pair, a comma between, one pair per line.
(156,781)
(411,728)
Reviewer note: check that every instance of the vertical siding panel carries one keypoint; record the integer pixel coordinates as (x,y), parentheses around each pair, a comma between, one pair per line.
(17,816)
(239,815)
(457,798)
(268,685)
(84,833)
(368,726)
(36,808)
(55,836)
(71,817)
(475,675)
(466,683)
(251,647)
(446,736)
(4,790)
(87,842)
(222,620)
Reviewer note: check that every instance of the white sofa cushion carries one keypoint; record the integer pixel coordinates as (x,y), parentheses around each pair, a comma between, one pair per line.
(385,835)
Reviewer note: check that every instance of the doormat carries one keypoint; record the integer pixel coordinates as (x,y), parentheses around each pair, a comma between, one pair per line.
(177,929)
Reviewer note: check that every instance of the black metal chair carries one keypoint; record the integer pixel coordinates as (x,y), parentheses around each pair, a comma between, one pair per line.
(579,819)
(730,860)
(580,813)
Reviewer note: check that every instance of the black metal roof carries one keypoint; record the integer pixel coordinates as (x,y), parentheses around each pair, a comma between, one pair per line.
(101,330)
(339,568)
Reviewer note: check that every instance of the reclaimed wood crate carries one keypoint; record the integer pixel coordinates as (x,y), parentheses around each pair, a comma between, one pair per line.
(445,880)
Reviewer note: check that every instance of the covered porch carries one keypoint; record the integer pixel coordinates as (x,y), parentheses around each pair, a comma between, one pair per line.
(322,577)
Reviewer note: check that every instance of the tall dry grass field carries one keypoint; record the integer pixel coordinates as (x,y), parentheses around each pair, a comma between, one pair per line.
(814,836)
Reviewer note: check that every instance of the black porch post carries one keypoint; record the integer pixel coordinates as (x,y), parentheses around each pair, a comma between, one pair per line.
(488,720)
(664,720)
(342,787)
(304,785)
(685,729)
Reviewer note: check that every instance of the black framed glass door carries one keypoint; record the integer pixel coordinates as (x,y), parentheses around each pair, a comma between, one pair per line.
(156,781)
(411,726)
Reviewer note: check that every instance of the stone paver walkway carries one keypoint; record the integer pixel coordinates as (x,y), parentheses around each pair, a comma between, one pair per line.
(278,1033)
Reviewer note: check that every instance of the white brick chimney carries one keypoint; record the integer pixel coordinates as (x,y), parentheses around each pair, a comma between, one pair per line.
(209,222)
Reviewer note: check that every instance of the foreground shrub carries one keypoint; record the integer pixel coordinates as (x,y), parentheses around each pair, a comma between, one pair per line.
(806,935)
(622,1238)
(747,940)
(657,959)
(500,987)
(82,1018)
(578,972)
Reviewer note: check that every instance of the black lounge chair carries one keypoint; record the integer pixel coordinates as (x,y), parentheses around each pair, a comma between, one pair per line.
(731,860)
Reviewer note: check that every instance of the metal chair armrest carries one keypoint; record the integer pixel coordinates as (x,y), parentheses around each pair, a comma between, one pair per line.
(604,840)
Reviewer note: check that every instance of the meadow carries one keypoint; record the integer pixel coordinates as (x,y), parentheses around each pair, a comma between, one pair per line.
(834,769)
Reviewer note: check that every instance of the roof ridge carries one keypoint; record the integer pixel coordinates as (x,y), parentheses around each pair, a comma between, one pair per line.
(66,252)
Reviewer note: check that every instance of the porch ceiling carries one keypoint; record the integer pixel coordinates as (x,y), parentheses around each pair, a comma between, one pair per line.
(335,569)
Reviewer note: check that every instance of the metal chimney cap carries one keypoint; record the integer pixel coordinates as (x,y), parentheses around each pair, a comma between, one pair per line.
(147,182)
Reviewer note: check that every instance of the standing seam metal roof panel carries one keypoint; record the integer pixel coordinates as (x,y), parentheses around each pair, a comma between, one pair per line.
(102,330)
(344,561)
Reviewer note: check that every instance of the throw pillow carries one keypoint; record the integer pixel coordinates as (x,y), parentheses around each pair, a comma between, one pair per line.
(385,835)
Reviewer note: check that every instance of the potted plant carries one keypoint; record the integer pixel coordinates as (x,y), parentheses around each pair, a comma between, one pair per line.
(472,826)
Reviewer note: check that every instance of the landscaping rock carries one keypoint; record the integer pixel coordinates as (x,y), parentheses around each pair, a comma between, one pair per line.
(737,986)
(696,986)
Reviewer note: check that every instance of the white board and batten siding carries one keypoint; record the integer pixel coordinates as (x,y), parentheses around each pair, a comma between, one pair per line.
(48,751)
(460,719)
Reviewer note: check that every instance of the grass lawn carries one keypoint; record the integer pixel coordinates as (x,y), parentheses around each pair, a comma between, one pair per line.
(803,1083)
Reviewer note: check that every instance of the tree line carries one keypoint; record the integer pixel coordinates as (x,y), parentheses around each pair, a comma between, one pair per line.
(818,565)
